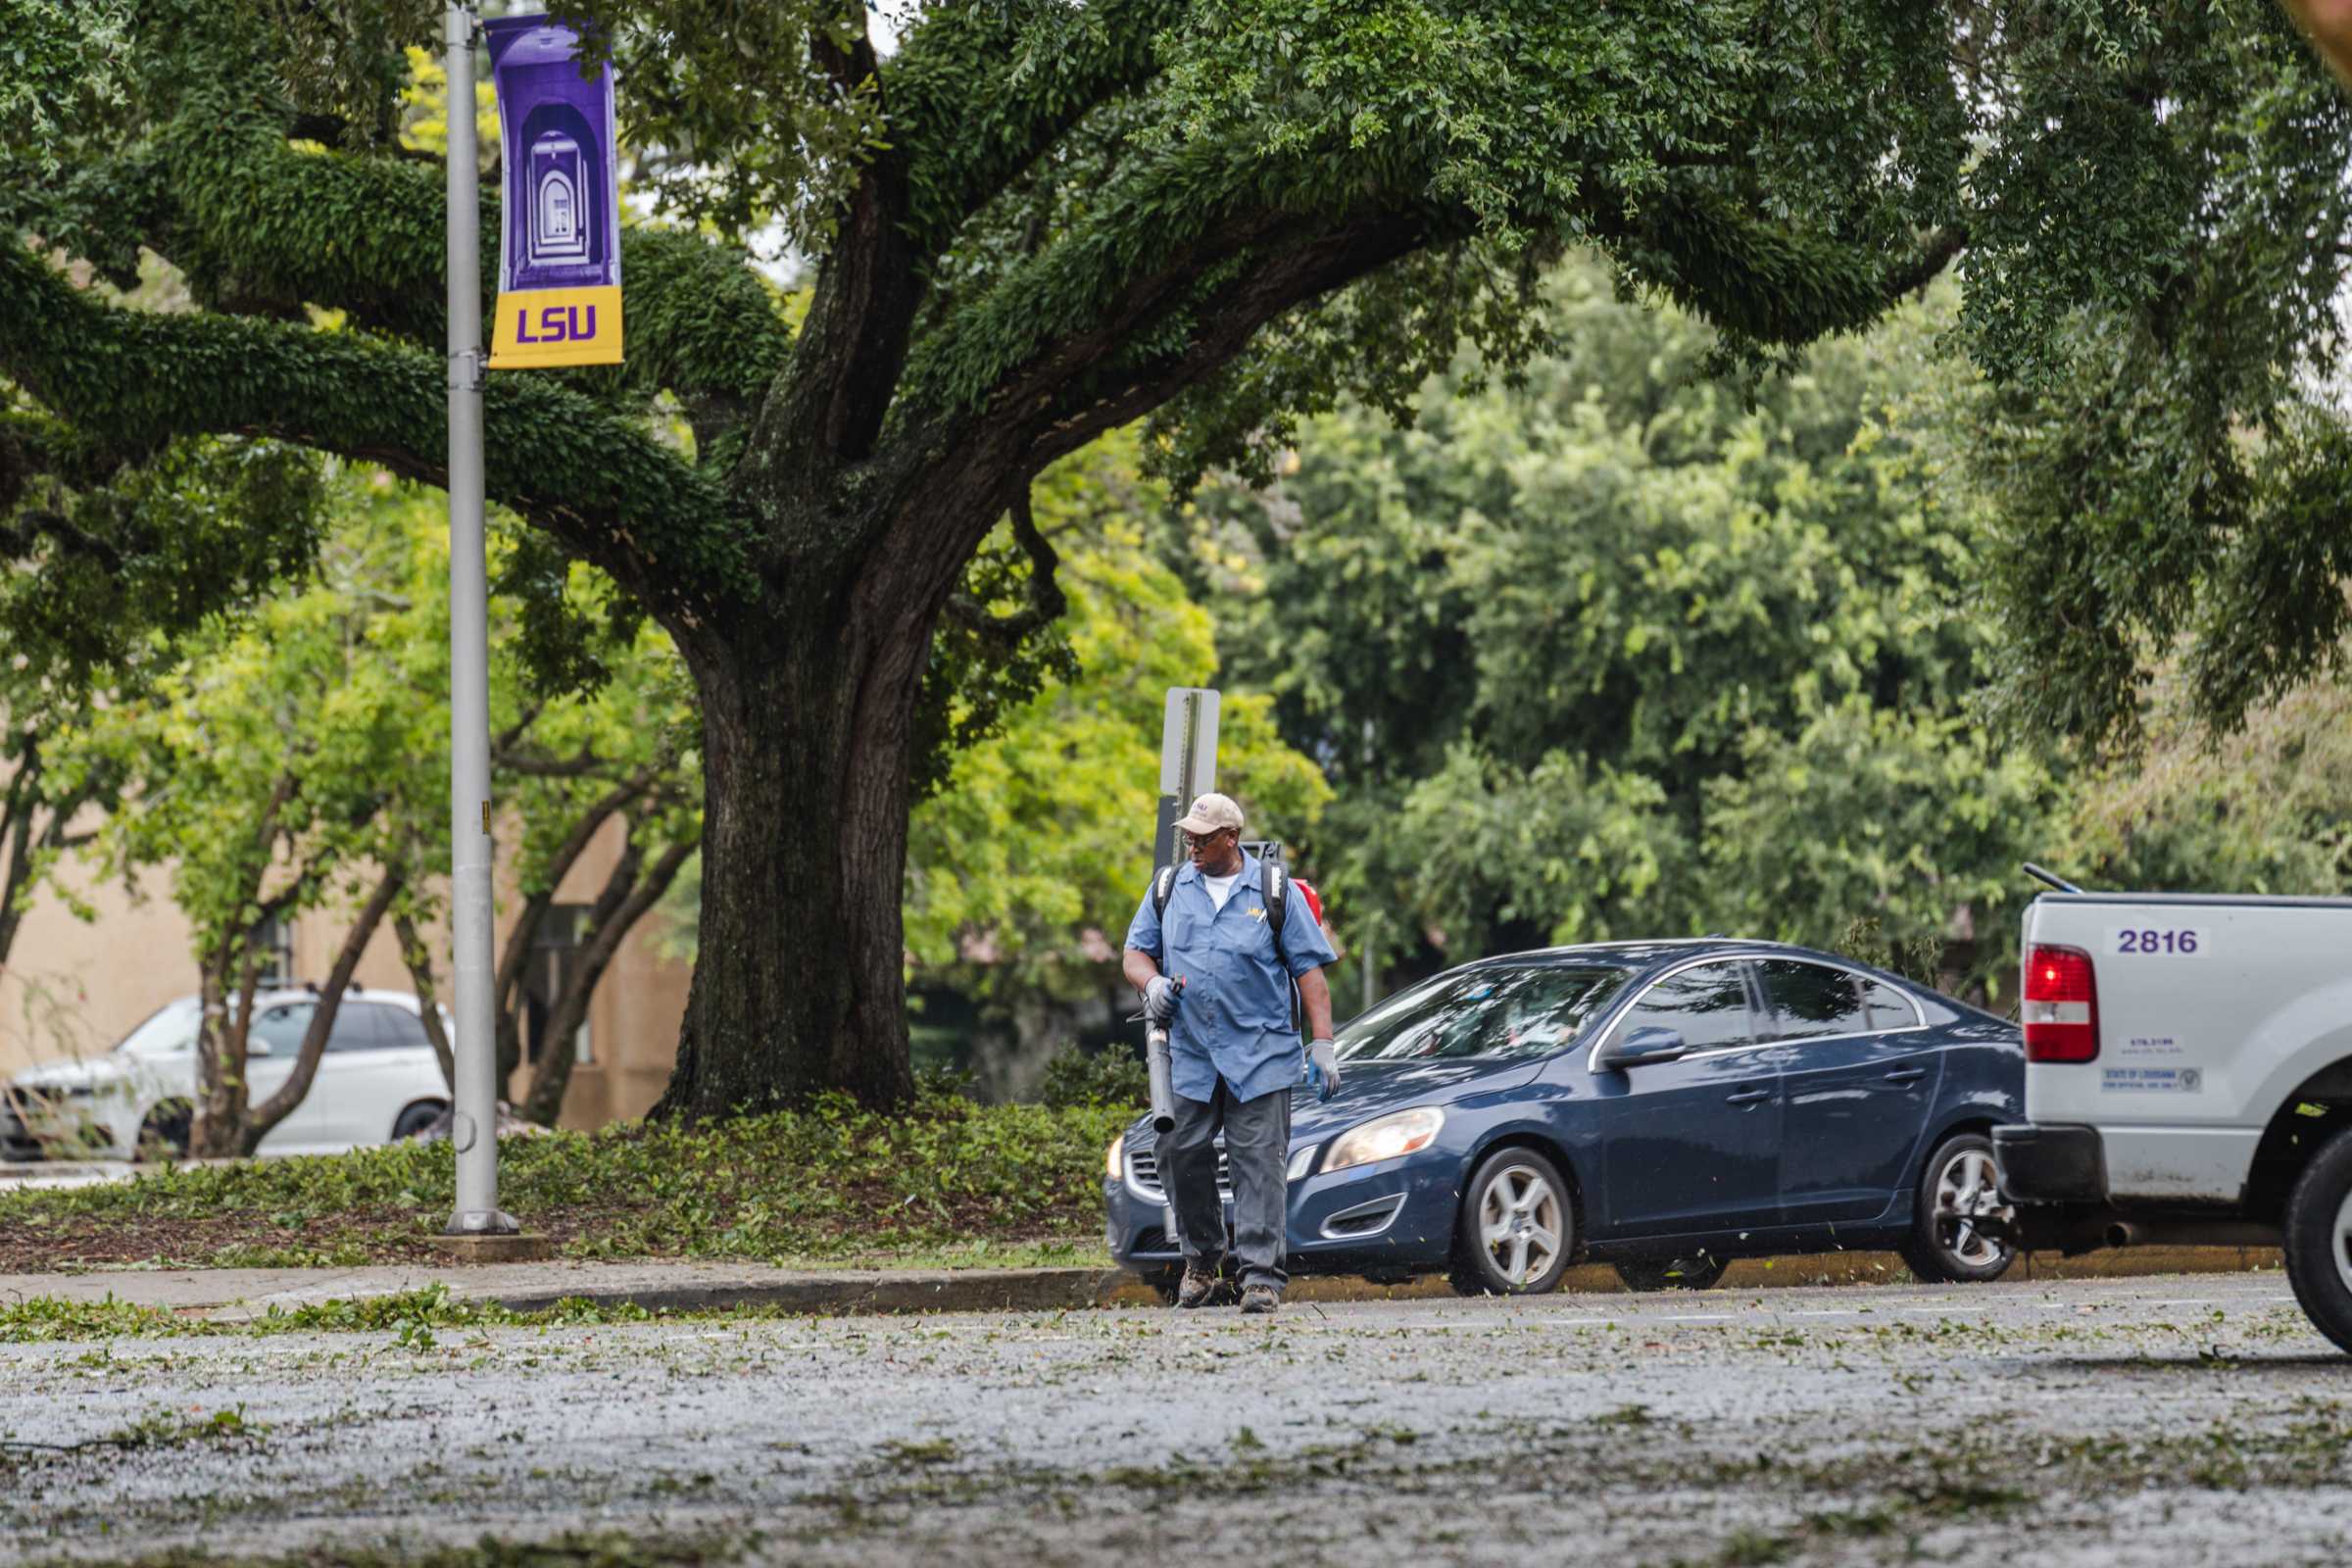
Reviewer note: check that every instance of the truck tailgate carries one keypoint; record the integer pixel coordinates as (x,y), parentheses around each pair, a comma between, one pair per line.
(2210,1010)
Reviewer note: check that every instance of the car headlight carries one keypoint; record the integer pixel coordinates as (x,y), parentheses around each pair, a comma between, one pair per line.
(1301,1163)
(1386,1138)
(1114,1164)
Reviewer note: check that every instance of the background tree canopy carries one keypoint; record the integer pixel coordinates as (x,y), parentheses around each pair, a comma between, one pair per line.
(1613,650)
(295,755)
(1031,223)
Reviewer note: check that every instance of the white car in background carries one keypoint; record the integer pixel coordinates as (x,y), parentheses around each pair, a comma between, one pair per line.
(377,1081)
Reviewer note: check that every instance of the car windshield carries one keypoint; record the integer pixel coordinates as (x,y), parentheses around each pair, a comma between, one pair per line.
(168,1028)
(1486,1012)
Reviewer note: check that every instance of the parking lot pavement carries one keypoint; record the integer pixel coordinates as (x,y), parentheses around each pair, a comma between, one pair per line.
(2182,1421)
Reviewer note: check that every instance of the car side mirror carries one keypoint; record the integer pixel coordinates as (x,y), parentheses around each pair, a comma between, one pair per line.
(1650,1043)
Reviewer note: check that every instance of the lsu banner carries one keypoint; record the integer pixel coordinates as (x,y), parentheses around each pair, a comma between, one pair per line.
(559,276)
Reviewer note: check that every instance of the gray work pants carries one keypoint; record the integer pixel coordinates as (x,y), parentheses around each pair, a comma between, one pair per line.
(1257,1146)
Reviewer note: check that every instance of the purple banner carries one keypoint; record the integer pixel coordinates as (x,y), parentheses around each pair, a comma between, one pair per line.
(558,298)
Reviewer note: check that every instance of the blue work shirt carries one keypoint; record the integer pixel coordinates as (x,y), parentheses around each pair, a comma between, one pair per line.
(1233,1017)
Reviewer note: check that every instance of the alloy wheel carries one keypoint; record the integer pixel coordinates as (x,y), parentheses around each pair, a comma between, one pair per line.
(1519,1223)
(2341,1239)
(1967,1190)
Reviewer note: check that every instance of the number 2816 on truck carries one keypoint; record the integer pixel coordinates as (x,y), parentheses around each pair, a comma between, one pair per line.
(2189,1081)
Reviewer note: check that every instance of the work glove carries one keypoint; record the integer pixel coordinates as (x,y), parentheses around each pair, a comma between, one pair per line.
(1323,1068)
(1159,1000)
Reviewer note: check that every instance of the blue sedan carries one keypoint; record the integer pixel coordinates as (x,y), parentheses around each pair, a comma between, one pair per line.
(1663,1106)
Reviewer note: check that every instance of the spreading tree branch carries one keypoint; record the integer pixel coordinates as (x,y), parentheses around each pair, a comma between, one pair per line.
(624,901)
(582,763)
(1936,253)
(16,831)
(975,132)
(279,1106)
(613,495)
(260,227)
(417,959)
(1279,279)
(1047,601)
(846,362)
(506,986)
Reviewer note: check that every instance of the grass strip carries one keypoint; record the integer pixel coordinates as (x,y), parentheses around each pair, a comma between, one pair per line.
(832,1183)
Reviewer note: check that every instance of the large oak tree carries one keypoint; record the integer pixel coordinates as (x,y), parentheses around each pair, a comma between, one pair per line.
(1030,222)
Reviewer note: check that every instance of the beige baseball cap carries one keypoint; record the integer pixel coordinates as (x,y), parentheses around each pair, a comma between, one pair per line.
(1211,813)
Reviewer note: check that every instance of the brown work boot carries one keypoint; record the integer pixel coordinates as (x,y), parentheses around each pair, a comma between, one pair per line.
(1199,1284)
(1260,1299)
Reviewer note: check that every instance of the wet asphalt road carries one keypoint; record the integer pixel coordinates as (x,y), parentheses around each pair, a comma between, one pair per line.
(2176,1420)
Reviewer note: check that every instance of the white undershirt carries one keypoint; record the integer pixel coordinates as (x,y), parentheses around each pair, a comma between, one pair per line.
(1220,888)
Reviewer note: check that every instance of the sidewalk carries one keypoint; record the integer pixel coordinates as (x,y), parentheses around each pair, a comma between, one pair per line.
(675,1285)
(659,1284)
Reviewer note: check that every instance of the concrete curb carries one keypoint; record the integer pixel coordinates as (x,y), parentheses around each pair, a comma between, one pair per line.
(1034,1289)
(688,1286)
(1009,1290)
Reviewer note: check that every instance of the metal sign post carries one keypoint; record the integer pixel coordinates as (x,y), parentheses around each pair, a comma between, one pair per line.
(1187,762)
(473,1126)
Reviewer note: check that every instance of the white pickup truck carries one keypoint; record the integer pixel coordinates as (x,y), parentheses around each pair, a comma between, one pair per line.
(2188,1080)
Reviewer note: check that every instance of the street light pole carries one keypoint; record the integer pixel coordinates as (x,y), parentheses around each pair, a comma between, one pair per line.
(473,1126)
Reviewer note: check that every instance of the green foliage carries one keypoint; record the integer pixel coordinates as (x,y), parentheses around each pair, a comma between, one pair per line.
(1616,652)
(832,1181)
(1078,1080)
(292,755)
(986,667)
(1915,821)
(2163,435)
(262,762)
(1032,223)
(65,65)
(1036,852)
(1570,855)
(2267,808)
(45,1319)
(410,1316)
(150,550)
(105,559)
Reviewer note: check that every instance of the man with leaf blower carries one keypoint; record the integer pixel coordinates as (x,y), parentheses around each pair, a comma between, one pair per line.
(1214,949)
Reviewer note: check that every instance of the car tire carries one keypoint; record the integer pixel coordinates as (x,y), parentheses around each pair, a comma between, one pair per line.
(1699,1272)
(1943,1248)
(164,1134)
(1517,1227)
(415,1119)
(2318,1238)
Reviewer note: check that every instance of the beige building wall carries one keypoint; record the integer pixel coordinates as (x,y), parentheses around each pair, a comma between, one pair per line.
(72,988)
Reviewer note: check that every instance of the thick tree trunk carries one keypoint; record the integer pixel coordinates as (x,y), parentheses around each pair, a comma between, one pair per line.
(800,981)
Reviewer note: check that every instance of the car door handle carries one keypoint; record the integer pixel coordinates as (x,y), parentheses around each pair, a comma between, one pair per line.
(1748,1097)
(1906,1075)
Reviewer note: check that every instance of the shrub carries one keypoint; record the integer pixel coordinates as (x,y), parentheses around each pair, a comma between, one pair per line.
(1078,1080)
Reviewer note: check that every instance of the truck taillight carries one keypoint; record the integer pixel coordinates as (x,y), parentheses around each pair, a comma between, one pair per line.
(2061,1004)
